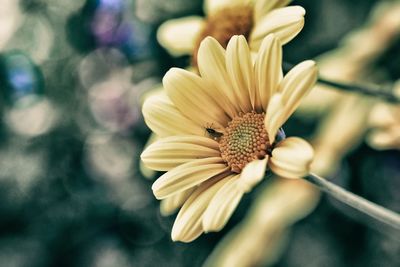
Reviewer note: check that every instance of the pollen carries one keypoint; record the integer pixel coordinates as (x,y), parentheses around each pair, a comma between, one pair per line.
(224,23)
(244,140)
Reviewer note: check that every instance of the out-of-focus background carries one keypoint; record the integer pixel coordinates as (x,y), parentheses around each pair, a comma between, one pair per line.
(73,75)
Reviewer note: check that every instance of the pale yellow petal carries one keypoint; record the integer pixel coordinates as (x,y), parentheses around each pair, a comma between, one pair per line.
(274,116)
(171,204)
(268,69)
(244,247)
(227,198)
(240,71)
(187,175)
(172,151)
(222,205)
(285,201)
(291,158)
(385,138)
(178,36)
(285,23)
(188,223)
(191,96)
(263,7)
(252,174)
(296,84)
(154,91)
(384,115)
(211,63)
(164,119)
(144,170)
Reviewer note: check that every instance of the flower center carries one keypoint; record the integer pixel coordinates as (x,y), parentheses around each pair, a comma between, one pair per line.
(224,23)
(244,140)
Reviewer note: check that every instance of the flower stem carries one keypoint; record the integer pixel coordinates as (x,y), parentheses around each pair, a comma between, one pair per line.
(370,90)
(380,213)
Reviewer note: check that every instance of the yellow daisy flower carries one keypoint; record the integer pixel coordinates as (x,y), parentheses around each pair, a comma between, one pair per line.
(254,19)
(218,132)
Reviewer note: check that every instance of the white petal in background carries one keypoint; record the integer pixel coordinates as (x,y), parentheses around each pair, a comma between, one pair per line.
(212,6)
(285,22)
(262,7)
(179,36)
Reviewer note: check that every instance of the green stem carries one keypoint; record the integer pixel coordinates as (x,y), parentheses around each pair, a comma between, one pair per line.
(380,213)
(369,90)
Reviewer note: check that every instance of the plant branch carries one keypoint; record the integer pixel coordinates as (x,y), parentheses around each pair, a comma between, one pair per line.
(369,90)
(380,213)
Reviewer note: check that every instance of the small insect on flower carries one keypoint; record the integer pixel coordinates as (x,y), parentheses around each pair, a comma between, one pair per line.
(213,133)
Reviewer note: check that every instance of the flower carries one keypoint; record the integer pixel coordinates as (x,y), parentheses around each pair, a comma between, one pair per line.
(254,19)
(218,132)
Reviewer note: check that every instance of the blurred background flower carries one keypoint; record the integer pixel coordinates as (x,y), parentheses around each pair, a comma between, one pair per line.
(223,19)
(72,78)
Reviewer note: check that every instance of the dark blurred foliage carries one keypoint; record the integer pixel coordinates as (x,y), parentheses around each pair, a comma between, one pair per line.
(390,60)
(71,193)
